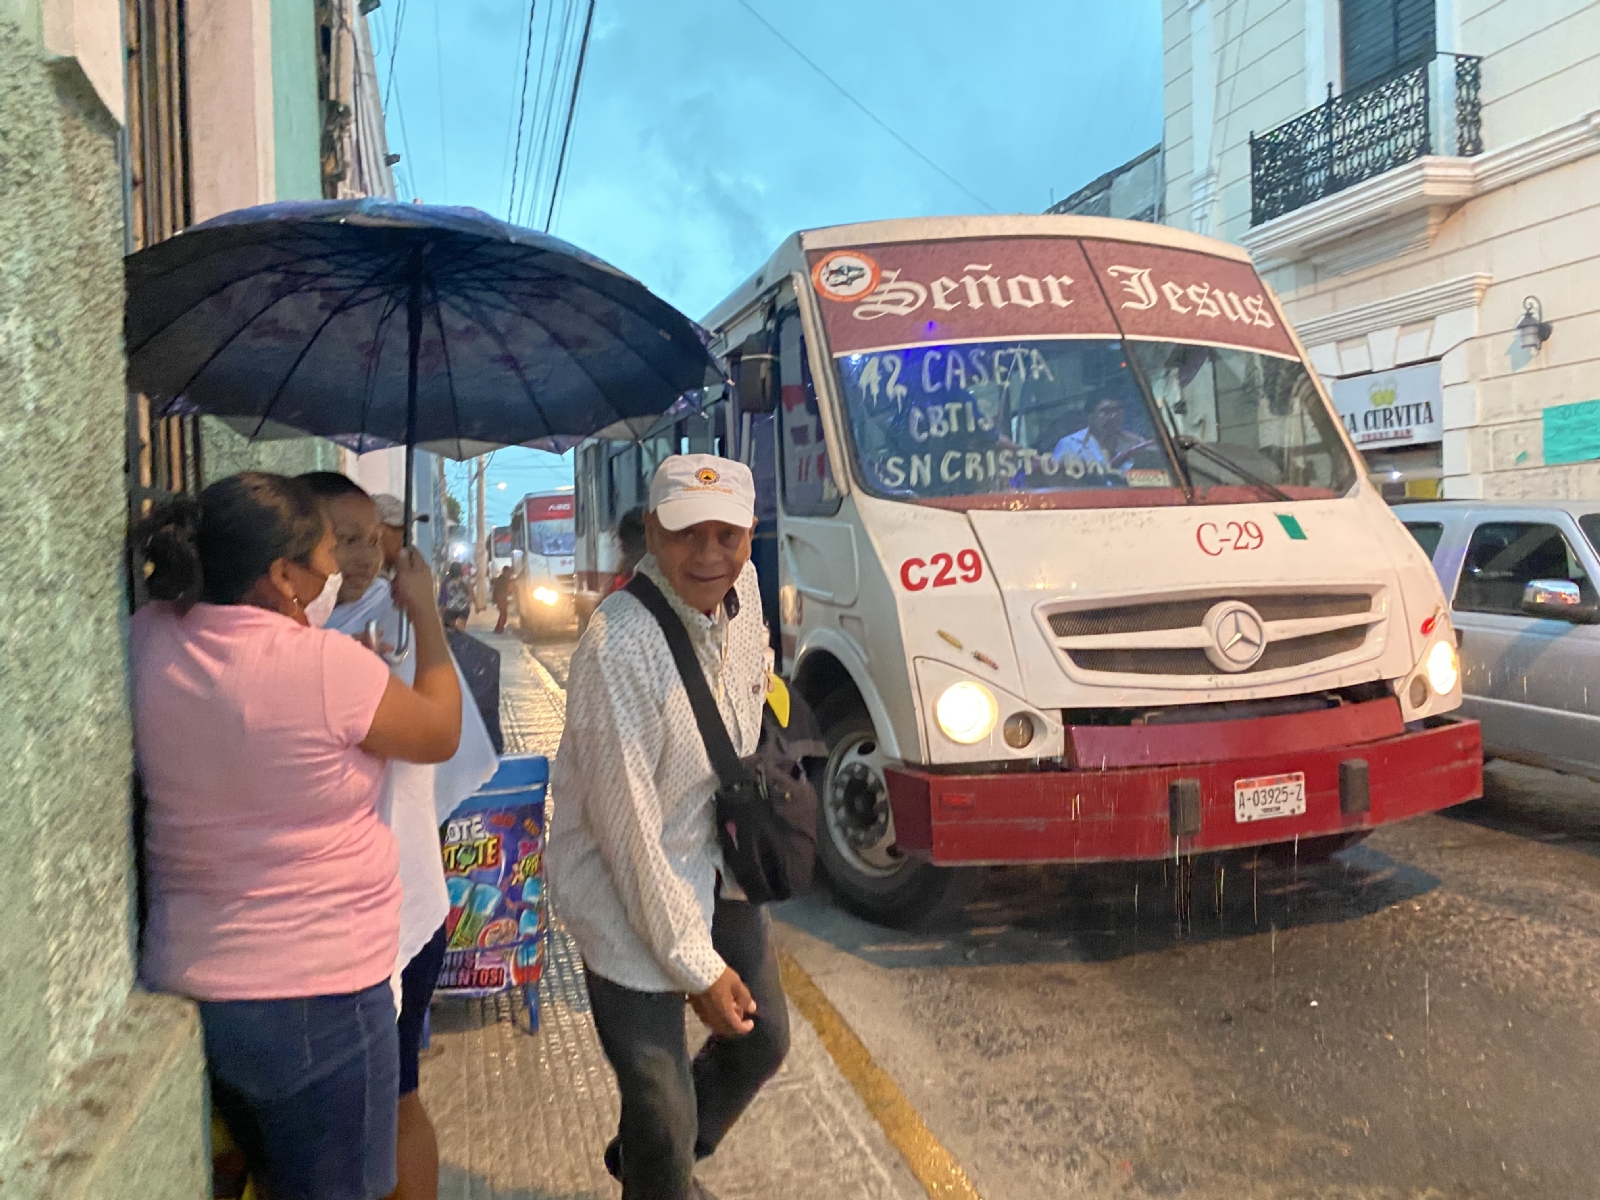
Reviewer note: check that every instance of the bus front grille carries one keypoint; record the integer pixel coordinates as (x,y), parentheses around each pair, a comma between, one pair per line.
(1170,638)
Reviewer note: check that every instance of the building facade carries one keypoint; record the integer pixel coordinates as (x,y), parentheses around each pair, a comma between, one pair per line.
(121,122)
(1420,182)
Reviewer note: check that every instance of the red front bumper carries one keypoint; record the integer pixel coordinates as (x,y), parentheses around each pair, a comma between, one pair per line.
(1143,803)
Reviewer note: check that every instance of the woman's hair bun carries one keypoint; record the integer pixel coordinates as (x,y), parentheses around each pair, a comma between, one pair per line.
(166,540)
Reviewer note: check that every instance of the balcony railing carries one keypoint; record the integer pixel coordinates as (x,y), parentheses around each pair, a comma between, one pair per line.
(1430,107)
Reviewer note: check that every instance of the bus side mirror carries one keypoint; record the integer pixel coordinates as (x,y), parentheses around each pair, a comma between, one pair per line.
(755,375)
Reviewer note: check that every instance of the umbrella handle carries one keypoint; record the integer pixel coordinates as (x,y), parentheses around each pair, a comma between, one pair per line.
(393,655)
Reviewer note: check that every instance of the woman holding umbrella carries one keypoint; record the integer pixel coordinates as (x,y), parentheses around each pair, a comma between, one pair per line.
(273,894)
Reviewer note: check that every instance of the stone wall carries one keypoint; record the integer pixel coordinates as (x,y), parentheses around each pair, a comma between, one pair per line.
(99,1085)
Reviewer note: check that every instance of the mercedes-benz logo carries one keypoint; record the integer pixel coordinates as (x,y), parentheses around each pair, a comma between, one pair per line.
(1237,636)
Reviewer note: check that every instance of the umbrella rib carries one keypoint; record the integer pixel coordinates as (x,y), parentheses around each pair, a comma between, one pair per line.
(516,367)
(444,349)
(283,268)
(558,297)
(343,306)
(372,365)
(231,338)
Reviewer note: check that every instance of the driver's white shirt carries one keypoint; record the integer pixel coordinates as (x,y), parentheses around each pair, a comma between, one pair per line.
(1086,448)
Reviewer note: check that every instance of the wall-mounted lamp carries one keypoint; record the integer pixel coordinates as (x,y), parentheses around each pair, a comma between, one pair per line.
(390,160)
(1533,331)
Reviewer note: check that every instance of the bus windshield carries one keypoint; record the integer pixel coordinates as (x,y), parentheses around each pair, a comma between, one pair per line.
(550,538)
(1070,422)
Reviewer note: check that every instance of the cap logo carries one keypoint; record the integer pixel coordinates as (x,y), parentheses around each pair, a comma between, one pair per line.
(707,476)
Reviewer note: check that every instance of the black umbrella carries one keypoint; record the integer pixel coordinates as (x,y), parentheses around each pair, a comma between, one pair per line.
(380,324)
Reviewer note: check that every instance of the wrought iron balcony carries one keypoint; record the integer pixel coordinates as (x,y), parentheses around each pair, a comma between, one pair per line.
(1430,107)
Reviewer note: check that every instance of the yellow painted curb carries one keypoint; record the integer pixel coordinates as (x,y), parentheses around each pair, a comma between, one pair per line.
(929,1161)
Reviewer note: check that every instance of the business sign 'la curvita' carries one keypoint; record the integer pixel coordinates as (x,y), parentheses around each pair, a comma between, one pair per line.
(1400,407)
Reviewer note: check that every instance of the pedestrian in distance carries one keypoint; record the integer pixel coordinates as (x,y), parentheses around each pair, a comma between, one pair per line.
(635,867)
(274,898)
(480,667)
(501,591)
(416,799)
(453,592)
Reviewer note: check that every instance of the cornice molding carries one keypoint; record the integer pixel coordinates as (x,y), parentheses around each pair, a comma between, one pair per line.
(1431,184)
(1407,308)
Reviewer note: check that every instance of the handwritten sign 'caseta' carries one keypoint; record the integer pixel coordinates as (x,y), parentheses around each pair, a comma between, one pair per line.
(904,294)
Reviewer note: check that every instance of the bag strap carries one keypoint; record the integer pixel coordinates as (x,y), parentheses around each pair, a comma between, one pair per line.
(713,730)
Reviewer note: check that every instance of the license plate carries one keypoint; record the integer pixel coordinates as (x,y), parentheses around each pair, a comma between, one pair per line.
(1269,796)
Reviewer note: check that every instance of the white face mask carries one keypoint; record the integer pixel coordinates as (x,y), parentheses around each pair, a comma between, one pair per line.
(320,609)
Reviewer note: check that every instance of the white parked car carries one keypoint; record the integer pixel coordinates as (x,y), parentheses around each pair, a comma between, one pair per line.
(1522,585)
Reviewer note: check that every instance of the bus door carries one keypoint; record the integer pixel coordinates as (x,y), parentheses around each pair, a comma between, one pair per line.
(755,422)
(816,550)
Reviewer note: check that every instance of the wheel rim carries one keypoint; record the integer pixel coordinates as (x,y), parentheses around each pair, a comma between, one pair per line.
(855,806)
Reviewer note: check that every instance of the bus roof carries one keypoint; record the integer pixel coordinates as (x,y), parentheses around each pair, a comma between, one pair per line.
(790,256)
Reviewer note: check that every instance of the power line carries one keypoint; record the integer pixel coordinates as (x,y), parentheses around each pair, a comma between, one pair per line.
(548,105)
(508,164)
(874,117)
(522,108)
(394,45)
(530,178)
(572,111)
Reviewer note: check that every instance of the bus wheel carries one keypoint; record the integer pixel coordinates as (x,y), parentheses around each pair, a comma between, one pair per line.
(855,835)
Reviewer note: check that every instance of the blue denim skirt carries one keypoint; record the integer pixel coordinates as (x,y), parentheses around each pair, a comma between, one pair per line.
(309,1088)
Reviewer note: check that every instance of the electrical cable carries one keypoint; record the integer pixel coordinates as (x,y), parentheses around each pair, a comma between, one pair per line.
(522,108)
(874,117)
(529,176)
(572,112)
(548,105)
(394,46)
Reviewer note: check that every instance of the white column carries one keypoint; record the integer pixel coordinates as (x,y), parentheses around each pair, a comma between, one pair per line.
(1203,86)
(1322,49)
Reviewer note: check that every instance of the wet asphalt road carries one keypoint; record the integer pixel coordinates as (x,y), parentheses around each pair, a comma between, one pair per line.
(1419,1017)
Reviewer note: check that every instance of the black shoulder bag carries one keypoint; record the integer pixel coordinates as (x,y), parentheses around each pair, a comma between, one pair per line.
(766,809)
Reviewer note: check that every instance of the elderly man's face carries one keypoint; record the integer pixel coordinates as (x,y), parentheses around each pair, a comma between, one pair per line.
(700,561)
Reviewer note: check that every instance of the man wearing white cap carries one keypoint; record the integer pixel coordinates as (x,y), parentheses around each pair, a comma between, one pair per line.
(635,868)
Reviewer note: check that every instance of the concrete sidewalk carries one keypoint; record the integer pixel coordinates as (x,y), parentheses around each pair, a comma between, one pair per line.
(525,1116)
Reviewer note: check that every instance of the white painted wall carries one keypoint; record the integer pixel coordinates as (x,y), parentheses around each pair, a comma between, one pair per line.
(1539,236)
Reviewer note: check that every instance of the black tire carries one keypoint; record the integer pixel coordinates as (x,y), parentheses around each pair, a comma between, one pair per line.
(902,894)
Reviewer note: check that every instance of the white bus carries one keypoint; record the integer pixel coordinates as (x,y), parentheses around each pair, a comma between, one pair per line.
(1063,542)
(541,556)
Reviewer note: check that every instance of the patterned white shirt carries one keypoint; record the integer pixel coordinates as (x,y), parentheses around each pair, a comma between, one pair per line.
(633,855)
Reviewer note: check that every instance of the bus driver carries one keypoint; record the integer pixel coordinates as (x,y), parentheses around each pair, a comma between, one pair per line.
(1102,441)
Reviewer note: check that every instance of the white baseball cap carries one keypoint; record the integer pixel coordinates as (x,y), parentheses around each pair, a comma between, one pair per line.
(690,488)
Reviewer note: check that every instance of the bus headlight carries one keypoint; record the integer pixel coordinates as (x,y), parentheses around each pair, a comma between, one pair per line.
(1443,667)
(966,712)
(545,596)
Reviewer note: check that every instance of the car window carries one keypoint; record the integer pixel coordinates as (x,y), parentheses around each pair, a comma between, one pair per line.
(1590,524)
(1427,534)
(1503,557)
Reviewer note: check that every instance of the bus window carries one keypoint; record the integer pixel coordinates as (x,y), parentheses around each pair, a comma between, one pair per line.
(808,486)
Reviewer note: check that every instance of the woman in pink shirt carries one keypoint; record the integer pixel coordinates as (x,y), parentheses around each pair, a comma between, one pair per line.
(273,896)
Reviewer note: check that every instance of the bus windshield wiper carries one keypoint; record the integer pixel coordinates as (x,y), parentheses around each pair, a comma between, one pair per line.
(1189,444)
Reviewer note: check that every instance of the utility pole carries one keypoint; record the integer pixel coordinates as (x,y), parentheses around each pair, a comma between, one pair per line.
(480,555)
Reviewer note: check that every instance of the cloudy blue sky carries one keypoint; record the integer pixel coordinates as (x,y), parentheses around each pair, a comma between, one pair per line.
(702,140)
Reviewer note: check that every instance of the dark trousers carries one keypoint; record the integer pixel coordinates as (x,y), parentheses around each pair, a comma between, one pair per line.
(674,1112)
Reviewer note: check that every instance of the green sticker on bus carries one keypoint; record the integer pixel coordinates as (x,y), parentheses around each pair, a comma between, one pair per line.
(1291,527)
